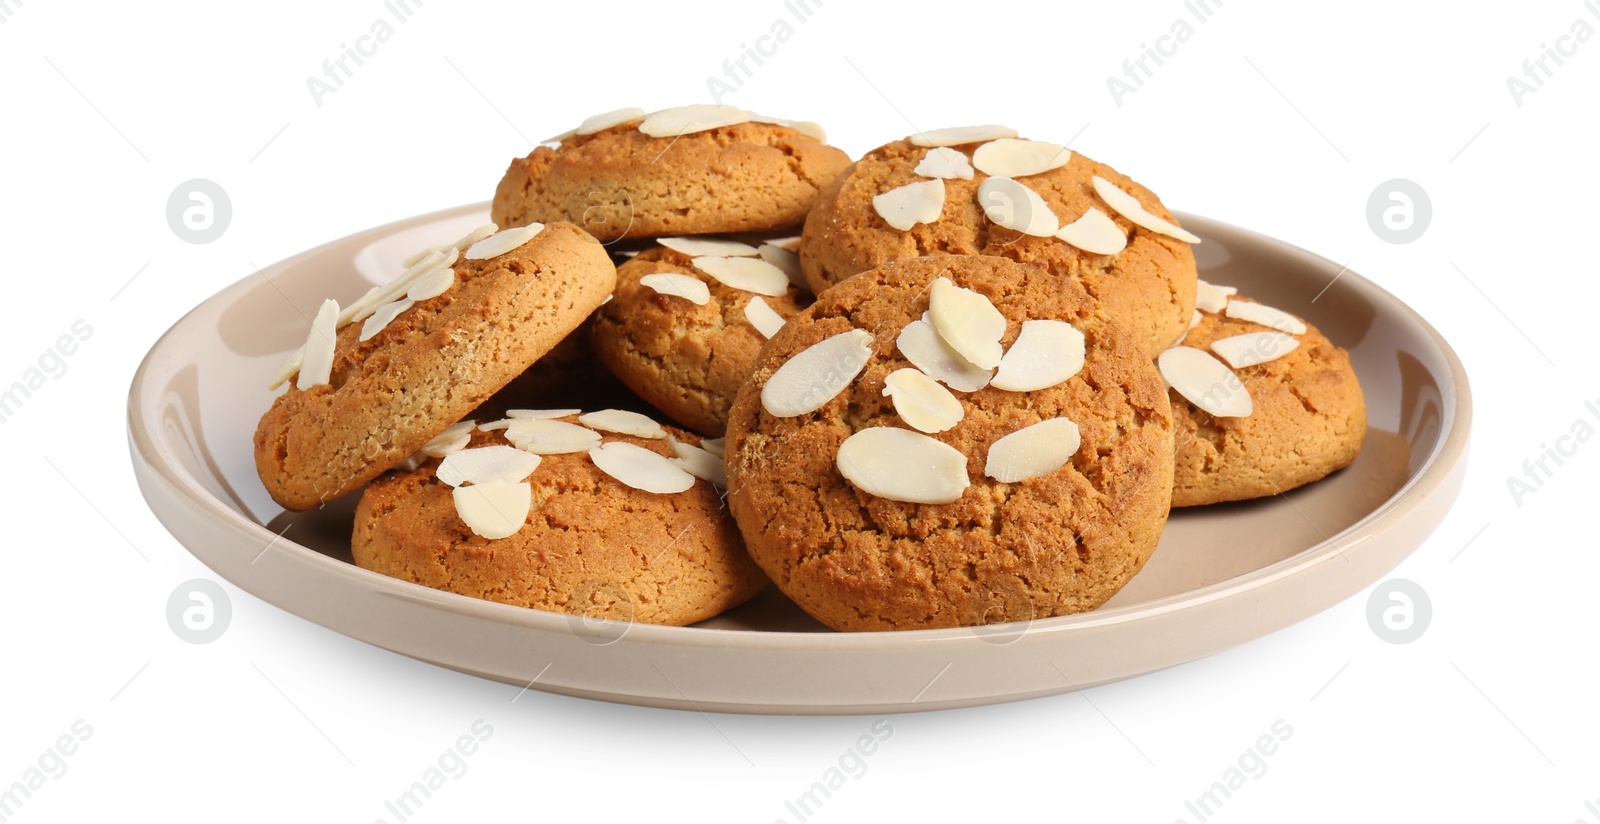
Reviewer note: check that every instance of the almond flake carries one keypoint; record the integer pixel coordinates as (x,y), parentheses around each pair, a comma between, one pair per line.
(1230,291)
(763,317)
(504,241)
(696,247)
(787,260)
(316,365)
(901,465)
(1205,381)
(483,464)
(683,120)
(1208,298)
(623,422)
(747,274)
(1013,205)
(1046,353)
(601,122)
(905,206)
(1095,233)
(1033,451)
(460,245)
(921,345)
(1252,348)
(805,127)
(436,259)
(640,468)
(944,162)
(1266,316)
(678,285)
(431,285)
(961,135)
(1012,157)
(548,437)
(542,413)
(790,243)
(453,439)
(1129,207)
(381,316)
(289,368)
(716,446)
(701,463)
(807,381)
(968,322)
(495,509)
(494,426)
(922,401)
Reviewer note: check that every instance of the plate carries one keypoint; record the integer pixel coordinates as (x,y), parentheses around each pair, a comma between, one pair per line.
(1221,576)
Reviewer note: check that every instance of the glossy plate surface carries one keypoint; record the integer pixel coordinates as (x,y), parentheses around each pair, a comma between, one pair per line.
(1223,575)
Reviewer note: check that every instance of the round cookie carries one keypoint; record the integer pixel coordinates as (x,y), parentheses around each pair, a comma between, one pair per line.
(1061,542)
(590,545)
(1147,286)
(622,183)
(686,359)
(1308,419)
(429,366)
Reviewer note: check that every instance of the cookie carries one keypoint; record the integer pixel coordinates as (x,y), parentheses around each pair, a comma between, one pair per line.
(378,400)
(588,545)
(905,512)
(683,339)
(1144,279)
(1306,414)
(621,182)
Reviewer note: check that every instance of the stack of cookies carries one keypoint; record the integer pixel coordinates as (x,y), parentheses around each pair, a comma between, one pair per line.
(960,381)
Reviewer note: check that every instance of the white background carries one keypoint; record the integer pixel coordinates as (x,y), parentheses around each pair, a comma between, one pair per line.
(1275,116)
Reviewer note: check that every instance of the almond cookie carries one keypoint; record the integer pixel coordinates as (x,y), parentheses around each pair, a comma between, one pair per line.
(689,170)
(380,379)
(684,328)
(981,191)
(948,441)
(1275,404)
(557,531)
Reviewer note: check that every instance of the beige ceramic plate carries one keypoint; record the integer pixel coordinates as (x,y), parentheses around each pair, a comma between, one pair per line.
(1222,575)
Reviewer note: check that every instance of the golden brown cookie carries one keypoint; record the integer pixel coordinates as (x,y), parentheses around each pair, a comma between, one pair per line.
(590,545)
(1062,540)
(429,366)
(620,182)
(1307,419)
(1147,286)
(688,359)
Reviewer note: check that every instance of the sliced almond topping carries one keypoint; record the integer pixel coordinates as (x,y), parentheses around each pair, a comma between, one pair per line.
(623,422)
(1129,207)
(316,364)
(807,381)
(901,465)
(961,135)
(921,345)
(944,162)
(700,463)
(483,464)
(678,285)
(289,368)
(501,242)
(601,122)
(380,317)
(1205,381)
(1095,233)
(968,322)
(787,260)
(542,413)
(715,446)
(494,509)
(1208,298)
(748,274)
(461,244)
(437,259)
(453,439)
(494,426)
(906,206)
(1194,318)
(1252,348)
(766,320)
(431,285)
(1266,316)
(696,247)
(684,120)
(1033,451)
(805,127)
(640,468)
(548,437)
(1011,157)
(1046,353)
(790,243)
(922,401)
(1230,291)
(1013,205)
